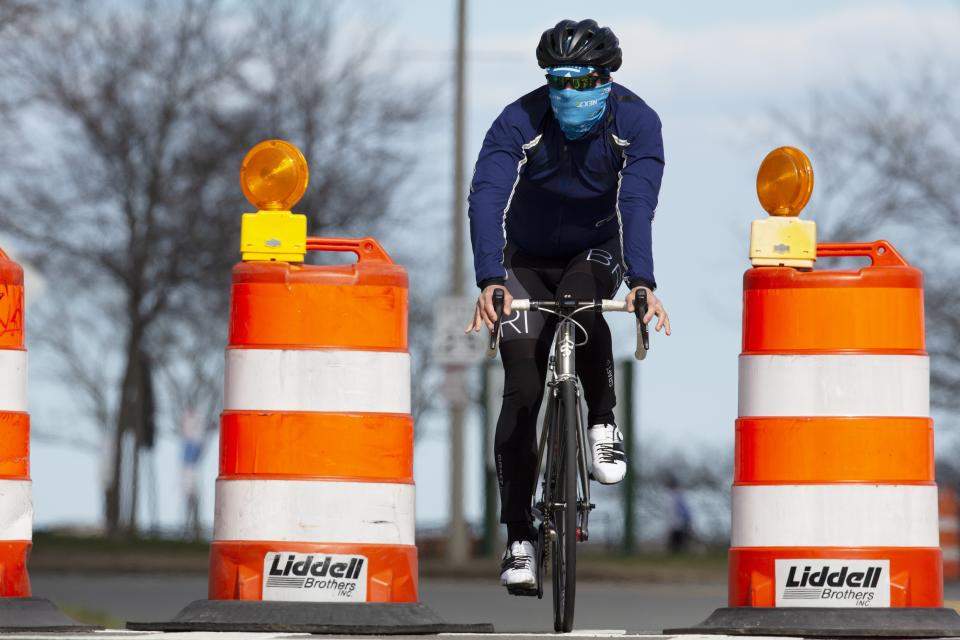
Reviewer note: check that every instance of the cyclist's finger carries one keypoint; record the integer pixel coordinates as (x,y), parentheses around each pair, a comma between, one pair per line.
(475,324)
(489,313)
(478,316)
(662,319)
(654,309)
(507,304)
(666,324)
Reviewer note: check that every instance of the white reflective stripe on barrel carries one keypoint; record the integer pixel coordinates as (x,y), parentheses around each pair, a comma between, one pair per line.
(835,515)
(317,380)
(314,511)
(16,510)
(13,380)
(835,385)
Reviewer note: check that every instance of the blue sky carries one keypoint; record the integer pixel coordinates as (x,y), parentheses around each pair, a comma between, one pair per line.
(714,71)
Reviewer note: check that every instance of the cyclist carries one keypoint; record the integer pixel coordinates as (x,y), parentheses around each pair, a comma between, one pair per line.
(562,201)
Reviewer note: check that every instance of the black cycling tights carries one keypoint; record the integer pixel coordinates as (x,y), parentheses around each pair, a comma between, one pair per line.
(525,350)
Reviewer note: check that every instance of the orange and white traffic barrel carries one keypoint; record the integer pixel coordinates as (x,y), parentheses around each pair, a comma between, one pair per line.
(314,519)
(834,522)
(949,538)
(315,498)
(19,610)
(16,506)
(834,499)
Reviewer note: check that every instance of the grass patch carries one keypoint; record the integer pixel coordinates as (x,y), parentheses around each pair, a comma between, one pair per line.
(54,541)
(711,557)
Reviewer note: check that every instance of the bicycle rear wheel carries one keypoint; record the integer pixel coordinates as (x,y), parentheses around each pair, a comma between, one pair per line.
(565,518)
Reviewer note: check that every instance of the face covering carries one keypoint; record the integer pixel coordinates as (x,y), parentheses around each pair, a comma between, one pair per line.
(578,111)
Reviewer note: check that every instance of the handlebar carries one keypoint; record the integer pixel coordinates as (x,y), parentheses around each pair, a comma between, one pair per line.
(495,334)
(523,304)
(643,335)
(569,307)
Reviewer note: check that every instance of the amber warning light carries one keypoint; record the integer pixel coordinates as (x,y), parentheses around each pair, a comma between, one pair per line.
(784,186)
(274,177)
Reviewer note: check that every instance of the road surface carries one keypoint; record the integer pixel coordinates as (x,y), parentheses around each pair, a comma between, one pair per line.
(618,606)
(602,608)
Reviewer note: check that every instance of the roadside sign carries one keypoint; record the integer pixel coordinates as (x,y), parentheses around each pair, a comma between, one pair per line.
(456,388)
(451,345)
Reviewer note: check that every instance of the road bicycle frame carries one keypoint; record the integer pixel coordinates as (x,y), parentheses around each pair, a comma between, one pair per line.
(562,369)
(563,509)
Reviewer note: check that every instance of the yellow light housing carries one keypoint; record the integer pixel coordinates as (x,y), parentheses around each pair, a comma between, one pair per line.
(785,181)
(784,185)
(274,175)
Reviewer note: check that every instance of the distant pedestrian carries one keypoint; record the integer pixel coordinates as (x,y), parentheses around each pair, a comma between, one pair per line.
(191,432)
(679,520)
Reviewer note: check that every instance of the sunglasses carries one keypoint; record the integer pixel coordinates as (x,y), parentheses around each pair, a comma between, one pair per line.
(580,83)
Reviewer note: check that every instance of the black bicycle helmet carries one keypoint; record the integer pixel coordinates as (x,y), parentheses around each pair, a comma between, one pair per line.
(580,43)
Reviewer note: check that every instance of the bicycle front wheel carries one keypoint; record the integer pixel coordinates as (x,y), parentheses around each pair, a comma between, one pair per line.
(565,517)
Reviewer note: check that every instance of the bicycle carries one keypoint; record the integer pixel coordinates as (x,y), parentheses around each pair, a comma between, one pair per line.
(563,447)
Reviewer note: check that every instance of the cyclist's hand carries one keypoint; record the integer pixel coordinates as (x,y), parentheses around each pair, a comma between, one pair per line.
(483,313)
(654,308)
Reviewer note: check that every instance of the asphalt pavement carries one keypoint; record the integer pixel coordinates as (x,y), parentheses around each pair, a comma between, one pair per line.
(603,608)
(621,606)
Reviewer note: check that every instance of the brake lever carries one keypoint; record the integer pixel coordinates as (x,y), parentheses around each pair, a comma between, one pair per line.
(643,335)
(495,334)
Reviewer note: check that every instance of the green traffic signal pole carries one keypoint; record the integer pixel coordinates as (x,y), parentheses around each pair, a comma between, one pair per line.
(490,488)
(630,435)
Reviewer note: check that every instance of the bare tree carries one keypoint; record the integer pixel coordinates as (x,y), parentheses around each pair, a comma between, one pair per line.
(887,157)
(131,206)
(16,15)
(343,108)
(324,91)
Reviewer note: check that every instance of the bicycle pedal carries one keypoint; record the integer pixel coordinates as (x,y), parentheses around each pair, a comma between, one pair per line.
(522,591)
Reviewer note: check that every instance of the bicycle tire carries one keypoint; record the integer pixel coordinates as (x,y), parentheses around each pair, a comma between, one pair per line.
(557,472)
(565,579)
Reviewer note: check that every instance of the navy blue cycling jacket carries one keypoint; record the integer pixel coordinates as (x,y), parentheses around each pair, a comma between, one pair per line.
(555,197)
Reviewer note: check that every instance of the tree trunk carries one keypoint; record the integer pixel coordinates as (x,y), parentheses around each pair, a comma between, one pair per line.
(134,489)
(130,416)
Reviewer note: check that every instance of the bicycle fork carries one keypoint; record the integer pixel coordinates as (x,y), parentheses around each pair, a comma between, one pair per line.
(584,506)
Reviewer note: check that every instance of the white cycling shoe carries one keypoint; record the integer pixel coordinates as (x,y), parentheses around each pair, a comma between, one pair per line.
(609,459)
(517,568)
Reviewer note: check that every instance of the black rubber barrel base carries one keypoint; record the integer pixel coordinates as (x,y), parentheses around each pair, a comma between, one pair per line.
(37,615)
(372,618)
(814,622)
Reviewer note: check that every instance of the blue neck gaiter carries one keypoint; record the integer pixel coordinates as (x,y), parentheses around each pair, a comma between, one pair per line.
(578,111)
